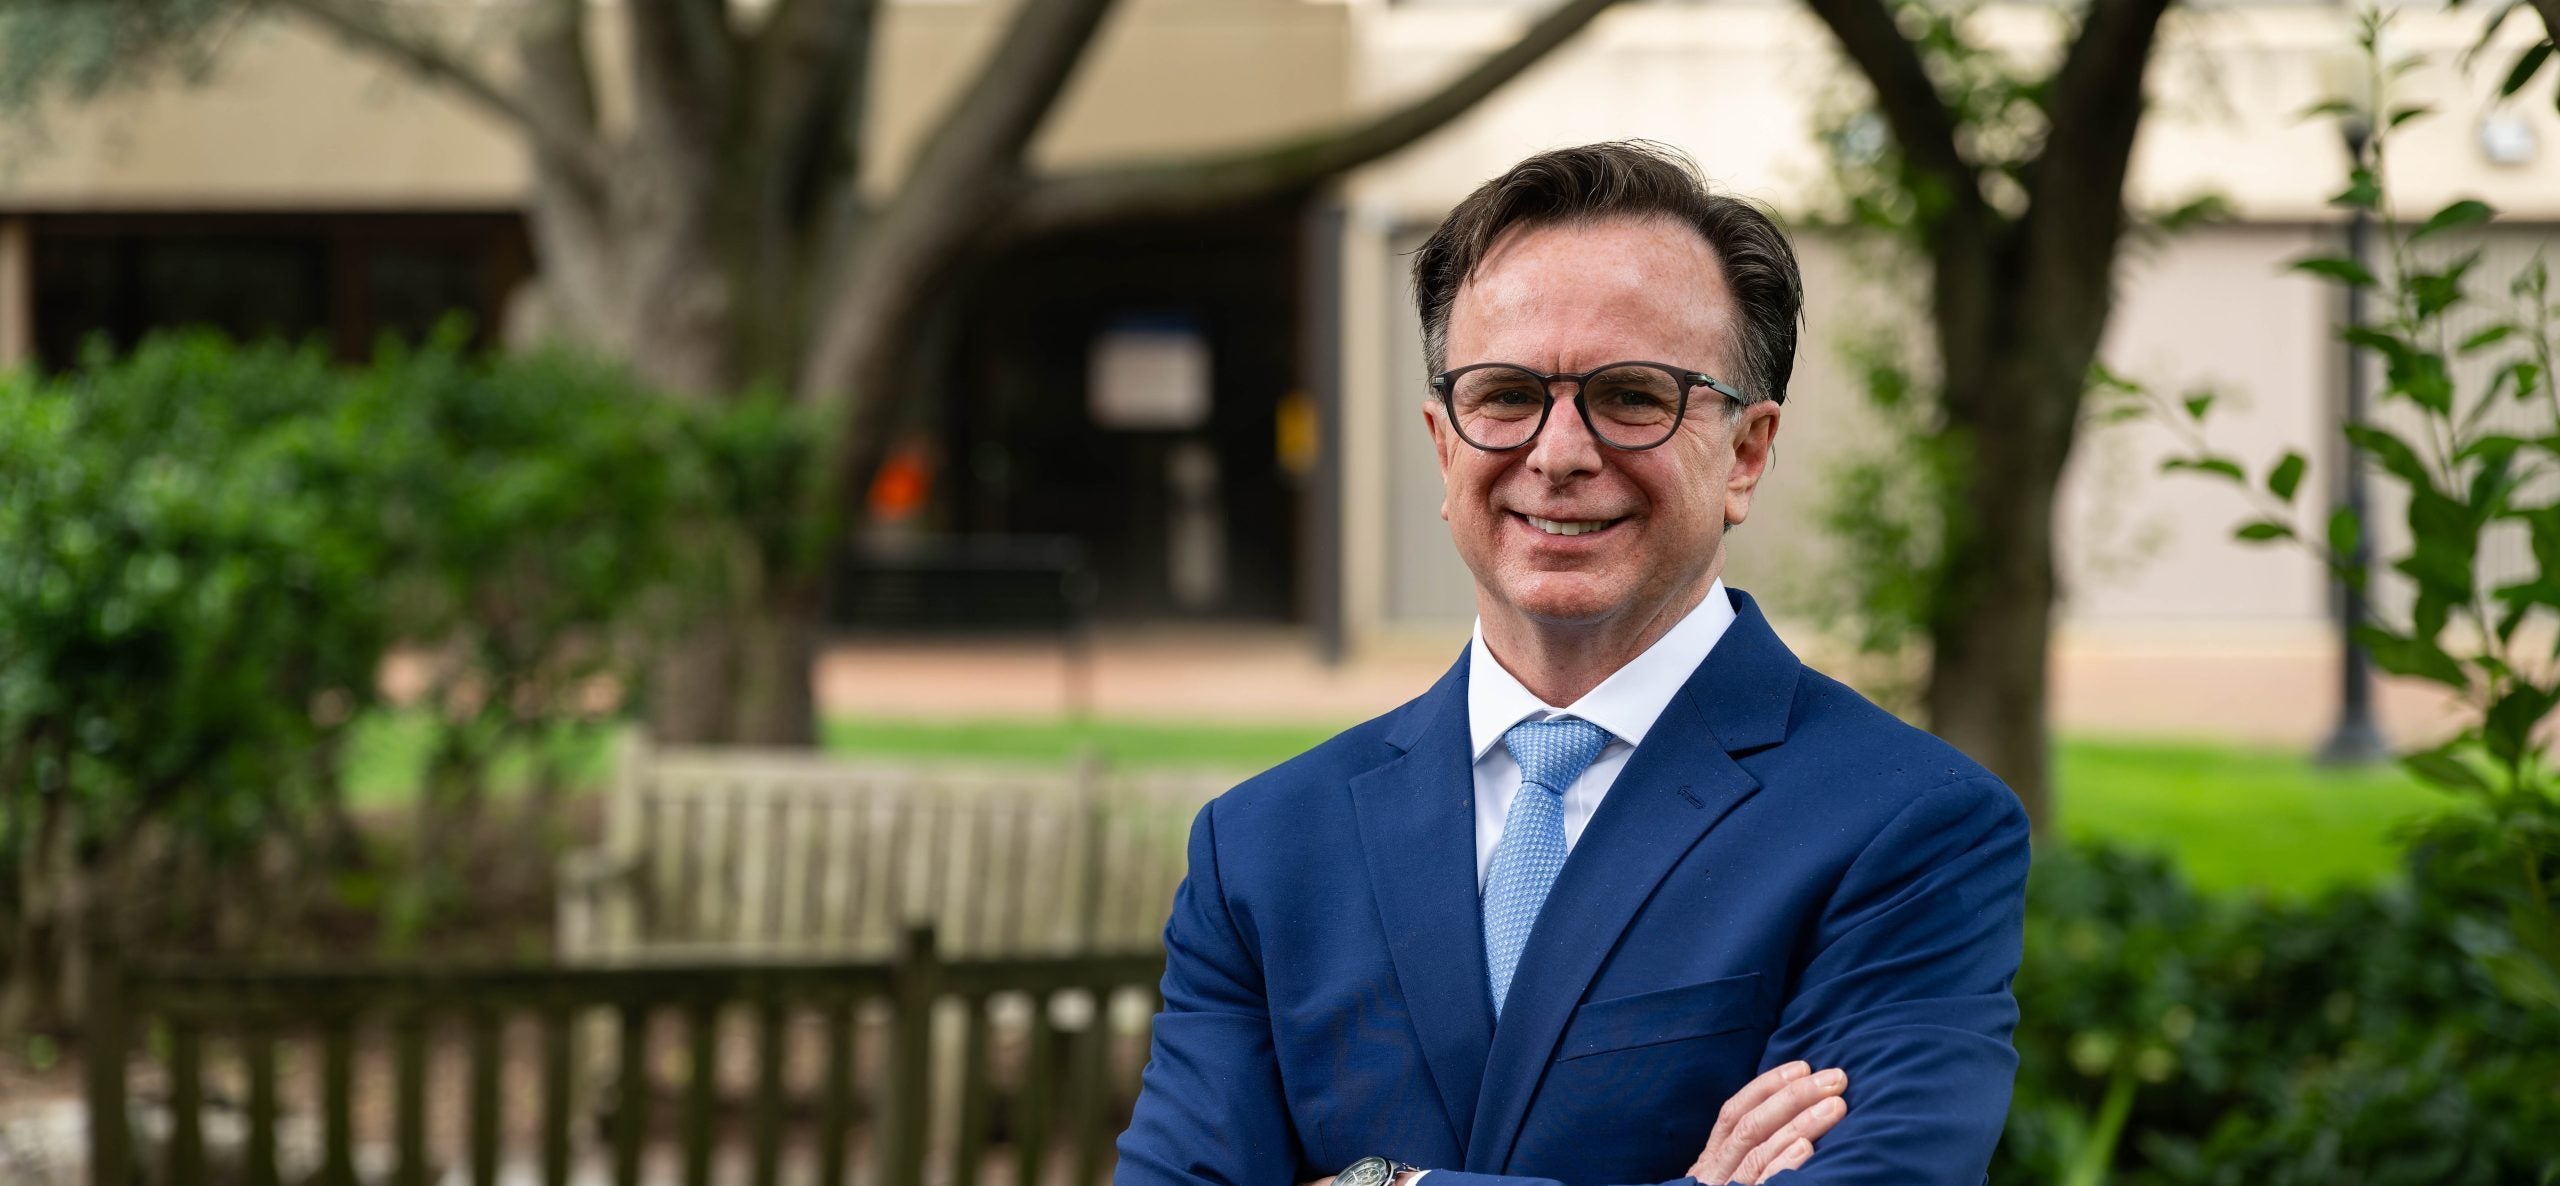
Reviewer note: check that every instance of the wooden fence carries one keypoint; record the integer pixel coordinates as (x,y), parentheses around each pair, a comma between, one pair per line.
(1016,1070)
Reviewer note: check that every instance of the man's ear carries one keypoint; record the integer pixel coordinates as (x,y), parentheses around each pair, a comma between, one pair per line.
(1755,445)
(1442,440)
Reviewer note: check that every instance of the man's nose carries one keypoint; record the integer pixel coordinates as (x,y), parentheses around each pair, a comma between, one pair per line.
(1565,447)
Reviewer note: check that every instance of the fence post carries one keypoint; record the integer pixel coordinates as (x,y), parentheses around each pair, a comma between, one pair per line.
(1097,854)
(909,1089)
(105,1039)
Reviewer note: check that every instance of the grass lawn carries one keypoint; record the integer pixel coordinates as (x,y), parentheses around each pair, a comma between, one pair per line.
(2239,819)
(2236,819)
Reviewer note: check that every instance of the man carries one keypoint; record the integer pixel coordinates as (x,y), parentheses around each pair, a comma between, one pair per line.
(1545,921)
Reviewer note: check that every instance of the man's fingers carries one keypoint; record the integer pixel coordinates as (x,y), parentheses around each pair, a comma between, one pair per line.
(1805,1127)
(1723,1154)
(1794,1158)
(1805,1108)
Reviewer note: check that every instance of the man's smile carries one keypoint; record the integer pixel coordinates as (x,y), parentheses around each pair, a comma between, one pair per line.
(1568,527)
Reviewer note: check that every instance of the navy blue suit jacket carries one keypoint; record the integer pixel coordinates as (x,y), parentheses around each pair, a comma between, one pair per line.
(1781,871)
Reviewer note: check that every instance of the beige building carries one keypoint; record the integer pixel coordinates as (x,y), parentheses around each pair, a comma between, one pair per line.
(304,190)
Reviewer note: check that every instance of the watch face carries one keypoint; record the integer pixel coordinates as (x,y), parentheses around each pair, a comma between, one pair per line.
(1368,1171)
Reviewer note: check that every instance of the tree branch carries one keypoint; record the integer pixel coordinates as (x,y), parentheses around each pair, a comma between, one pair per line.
(573,148)
(812,71)
(1922,126)
(682,70)
(567,218)
(992,122)
(1160,189)
(2075,186)
(969,167)
(872,290)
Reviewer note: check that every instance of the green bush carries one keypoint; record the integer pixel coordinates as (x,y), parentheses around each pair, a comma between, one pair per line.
(207,551)
(2351,1039)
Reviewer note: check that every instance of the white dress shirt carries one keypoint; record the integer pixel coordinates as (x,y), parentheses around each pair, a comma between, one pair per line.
(1626,704)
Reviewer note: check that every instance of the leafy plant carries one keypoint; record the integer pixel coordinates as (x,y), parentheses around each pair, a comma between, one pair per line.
(2243,1041)
(208,552)
(2490,638)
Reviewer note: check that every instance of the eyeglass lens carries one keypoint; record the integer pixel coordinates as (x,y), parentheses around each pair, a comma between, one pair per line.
(1630,406)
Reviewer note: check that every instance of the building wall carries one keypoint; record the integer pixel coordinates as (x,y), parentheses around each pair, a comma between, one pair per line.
(290,120)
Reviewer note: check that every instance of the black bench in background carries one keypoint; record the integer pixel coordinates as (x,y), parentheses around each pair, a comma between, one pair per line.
(973,586)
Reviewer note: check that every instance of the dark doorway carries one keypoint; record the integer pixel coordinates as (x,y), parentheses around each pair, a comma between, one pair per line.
(341,279)
(1183,514)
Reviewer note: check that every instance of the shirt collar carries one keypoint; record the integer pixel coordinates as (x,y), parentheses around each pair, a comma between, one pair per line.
(1626,704)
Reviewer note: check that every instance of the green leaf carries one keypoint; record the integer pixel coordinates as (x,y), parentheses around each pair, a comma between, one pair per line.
(2335,267)
(2378,341)
(2102,379)
(2263,530)
(2435,292)
(2495,448)
(2395,455)
(2455,215)
(2198,404)
(2211,465)
(2486,338)
(2342,536)
(2527,63)
(2444,770)
(2444,542)
(2405,114)
(2514,617)
(2328,109)
(2411,657)
(2421,377)
(2363,192)
(2287,475)
(2508,727)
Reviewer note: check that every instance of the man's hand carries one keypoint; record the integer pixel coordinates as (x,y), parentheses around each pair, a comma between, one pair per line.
(1768,1126)
(1771,1125)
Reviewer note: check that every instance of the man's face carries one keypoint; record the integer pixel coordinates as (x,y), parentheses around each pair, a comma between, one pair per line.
(1567,299)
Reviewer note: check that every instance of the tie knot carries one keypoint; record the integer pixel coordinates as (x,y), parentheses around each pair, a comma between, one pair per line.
(1554,753)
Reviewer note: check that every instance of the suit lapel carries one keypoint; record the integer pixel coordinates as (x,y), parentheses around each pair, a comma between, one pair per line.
(1417,830)
(1674,788)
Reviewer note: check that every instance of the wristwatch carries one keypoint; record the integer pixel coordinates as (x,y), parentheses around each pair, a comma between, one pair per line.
(1373,1171)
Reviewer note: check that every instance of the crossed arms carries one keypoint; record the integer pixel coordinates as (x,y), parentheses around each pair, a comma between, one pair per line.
(1902,982)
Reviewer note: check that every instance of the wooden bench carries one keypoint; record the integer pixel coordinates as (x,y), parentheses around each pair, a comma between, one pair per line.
(763,854)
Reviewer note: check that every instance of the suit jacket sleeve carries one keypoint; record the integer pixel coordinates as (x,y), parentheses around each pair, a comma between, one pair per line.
(1210,1109)
(1907,988)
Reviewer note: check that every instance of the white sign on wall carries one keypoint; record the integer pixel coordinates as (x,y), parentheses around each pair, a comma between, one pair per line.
(1151,374)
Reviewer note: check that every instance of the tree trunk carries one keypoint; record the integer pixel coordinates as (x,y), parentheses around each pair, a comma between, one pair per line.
(1991,639)
(2011,405)
(743,676)
(34,1000)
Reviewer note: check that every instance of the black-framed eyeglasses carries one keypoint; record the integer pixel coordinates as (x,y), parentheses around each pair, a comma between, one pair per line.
(1497,406)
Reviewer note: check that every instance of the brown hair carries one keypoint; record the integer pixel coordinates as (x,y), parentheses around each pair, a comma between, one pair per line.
(1625,179)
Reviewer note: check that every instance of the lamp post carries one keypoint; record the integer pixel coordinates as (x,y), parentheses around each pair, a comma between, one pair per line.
(2355,740)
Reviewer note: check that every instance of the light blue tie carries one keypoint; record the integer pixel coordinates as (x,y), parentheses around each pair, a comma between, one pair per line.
(1525,862)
